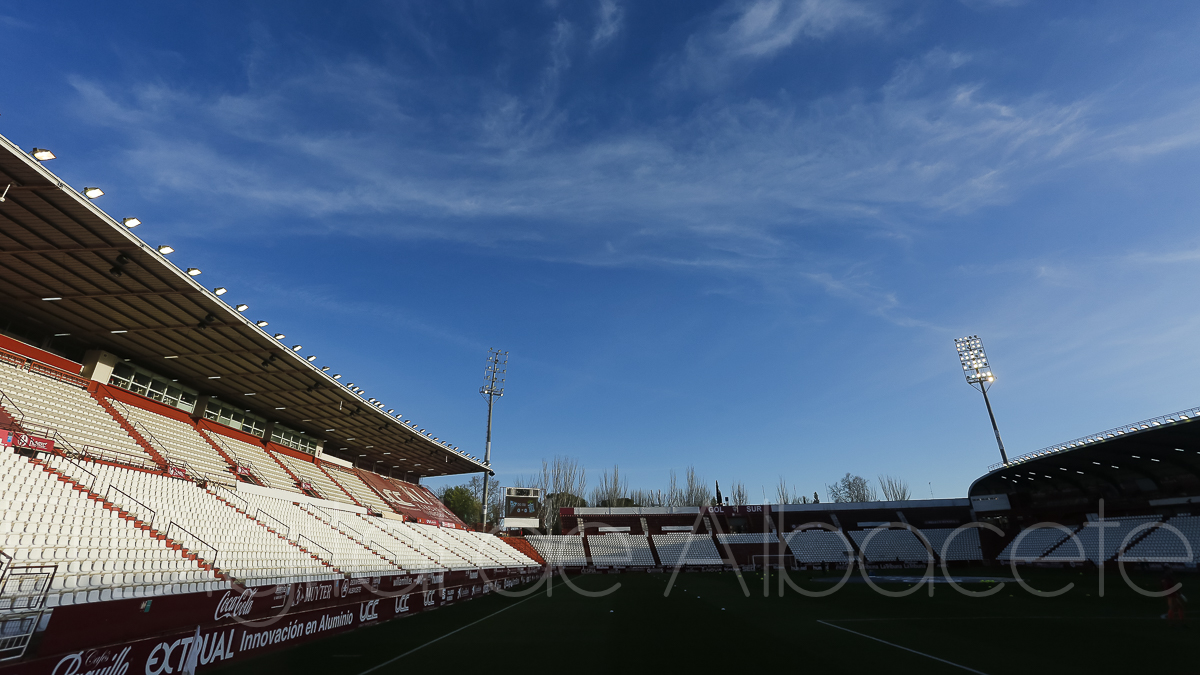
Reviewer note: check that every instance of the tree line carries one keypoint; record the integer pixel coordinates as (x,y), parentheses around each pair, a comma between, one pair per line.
(564,484)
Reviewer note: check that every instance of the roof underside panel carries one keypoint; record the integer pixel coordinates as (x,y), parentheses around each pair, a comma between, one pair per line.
(113,292)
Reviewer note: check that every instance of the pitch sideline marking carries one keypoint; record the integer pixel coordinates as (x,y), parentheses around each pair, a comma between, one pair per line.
(397,658)
(892,644)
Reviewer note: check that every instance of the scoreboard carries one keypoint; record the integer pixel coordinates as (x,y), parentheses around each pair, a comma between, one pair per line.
(521,505)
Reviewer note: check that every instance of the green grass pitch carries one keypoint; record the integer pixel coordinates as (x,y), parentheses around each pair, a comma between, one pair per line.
(707,621)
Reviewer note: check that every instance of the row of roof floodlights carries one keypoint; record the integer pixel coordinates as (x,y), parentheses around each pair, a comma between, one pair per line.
(42,155)
(1137,427)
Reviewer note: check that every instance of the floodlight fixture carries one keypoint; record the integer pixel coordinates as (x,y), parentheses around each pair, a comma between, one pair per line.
(220,290)
(166,250)
(131,222)
(242,308)
(193,272)
(979,375)
(337,376)
(974,361)
(296,348)
(261,324)
(312,358)
(92,192)
(279,336)
(42,154)
(324,369)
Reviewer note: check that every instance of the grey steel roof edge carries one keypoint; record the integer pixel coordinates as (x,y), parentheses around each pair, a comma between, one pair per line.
(120,228)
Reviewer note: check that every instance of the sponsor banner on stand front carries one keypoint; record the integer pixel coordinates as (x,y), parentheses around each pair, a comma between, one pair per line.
(23,440)
(155,635)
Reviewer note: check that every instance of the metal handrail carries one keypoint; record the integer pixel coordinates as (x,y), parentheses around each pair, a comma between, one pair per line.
(11,406)
(398,536)
(217,479)
(1115,432)
(137,426)
(176,526)
(374,545)
(342,524)
(91,484)
(188,472)
(32,583)
(258,475)
(93,453)
(112,488)
(328,519)
(299,477)
(287,530)
(245,504)
(329,556)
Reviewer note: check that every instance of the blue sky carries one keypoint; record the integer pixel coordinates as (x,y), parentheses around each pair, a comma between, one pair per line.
(737,235)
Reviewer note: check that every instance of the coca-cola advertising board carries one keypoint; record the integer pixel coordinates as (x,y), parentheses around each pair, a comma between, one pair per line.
(155,635)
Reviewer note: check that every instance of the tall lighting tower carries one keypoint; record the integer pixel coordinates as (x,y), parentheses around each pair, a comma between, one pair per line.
(492,389)
(979,375)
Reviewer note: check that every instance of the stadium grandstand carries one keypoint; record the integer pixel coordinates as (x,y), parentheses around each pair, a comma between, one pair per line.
(170,463)
(173,468)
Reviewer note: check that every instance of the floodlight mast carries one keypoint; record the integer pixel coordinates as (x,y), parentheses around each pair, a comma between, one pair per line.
(979,375)
(492,389)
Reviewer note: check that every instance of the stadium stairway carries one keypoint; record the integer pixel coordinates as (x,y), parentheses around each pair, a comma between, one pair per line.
(144,444)
(478,555)
(527,549)
(363,494)
(859,554)
(266,466)
(1134,542)
(587,547)
(286,469)
(7,420)
(653,551)
(126,515)
(1058,544)
(230,459)
(343,529)
(410,554)
(244,510)
(353,499)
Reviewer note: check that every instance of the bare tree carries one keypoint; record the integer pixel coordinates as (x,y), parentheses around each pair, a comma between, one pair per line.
(851,488)
(674,494)
(613,490)
(788,495)
(648,498)
(563,482)
(739,497)
(894,489)
(696,492)
(782,494)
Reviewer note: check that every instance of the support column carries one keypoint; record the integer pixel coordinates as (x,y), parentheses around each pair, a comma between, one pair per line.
(98,365)
(201,405)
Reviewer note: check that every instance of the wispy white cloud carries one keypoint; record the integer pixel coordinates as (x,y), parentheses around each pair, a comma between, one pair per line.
(741,187)
(610,18)
(738,169)
(742,32)
(14,22)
